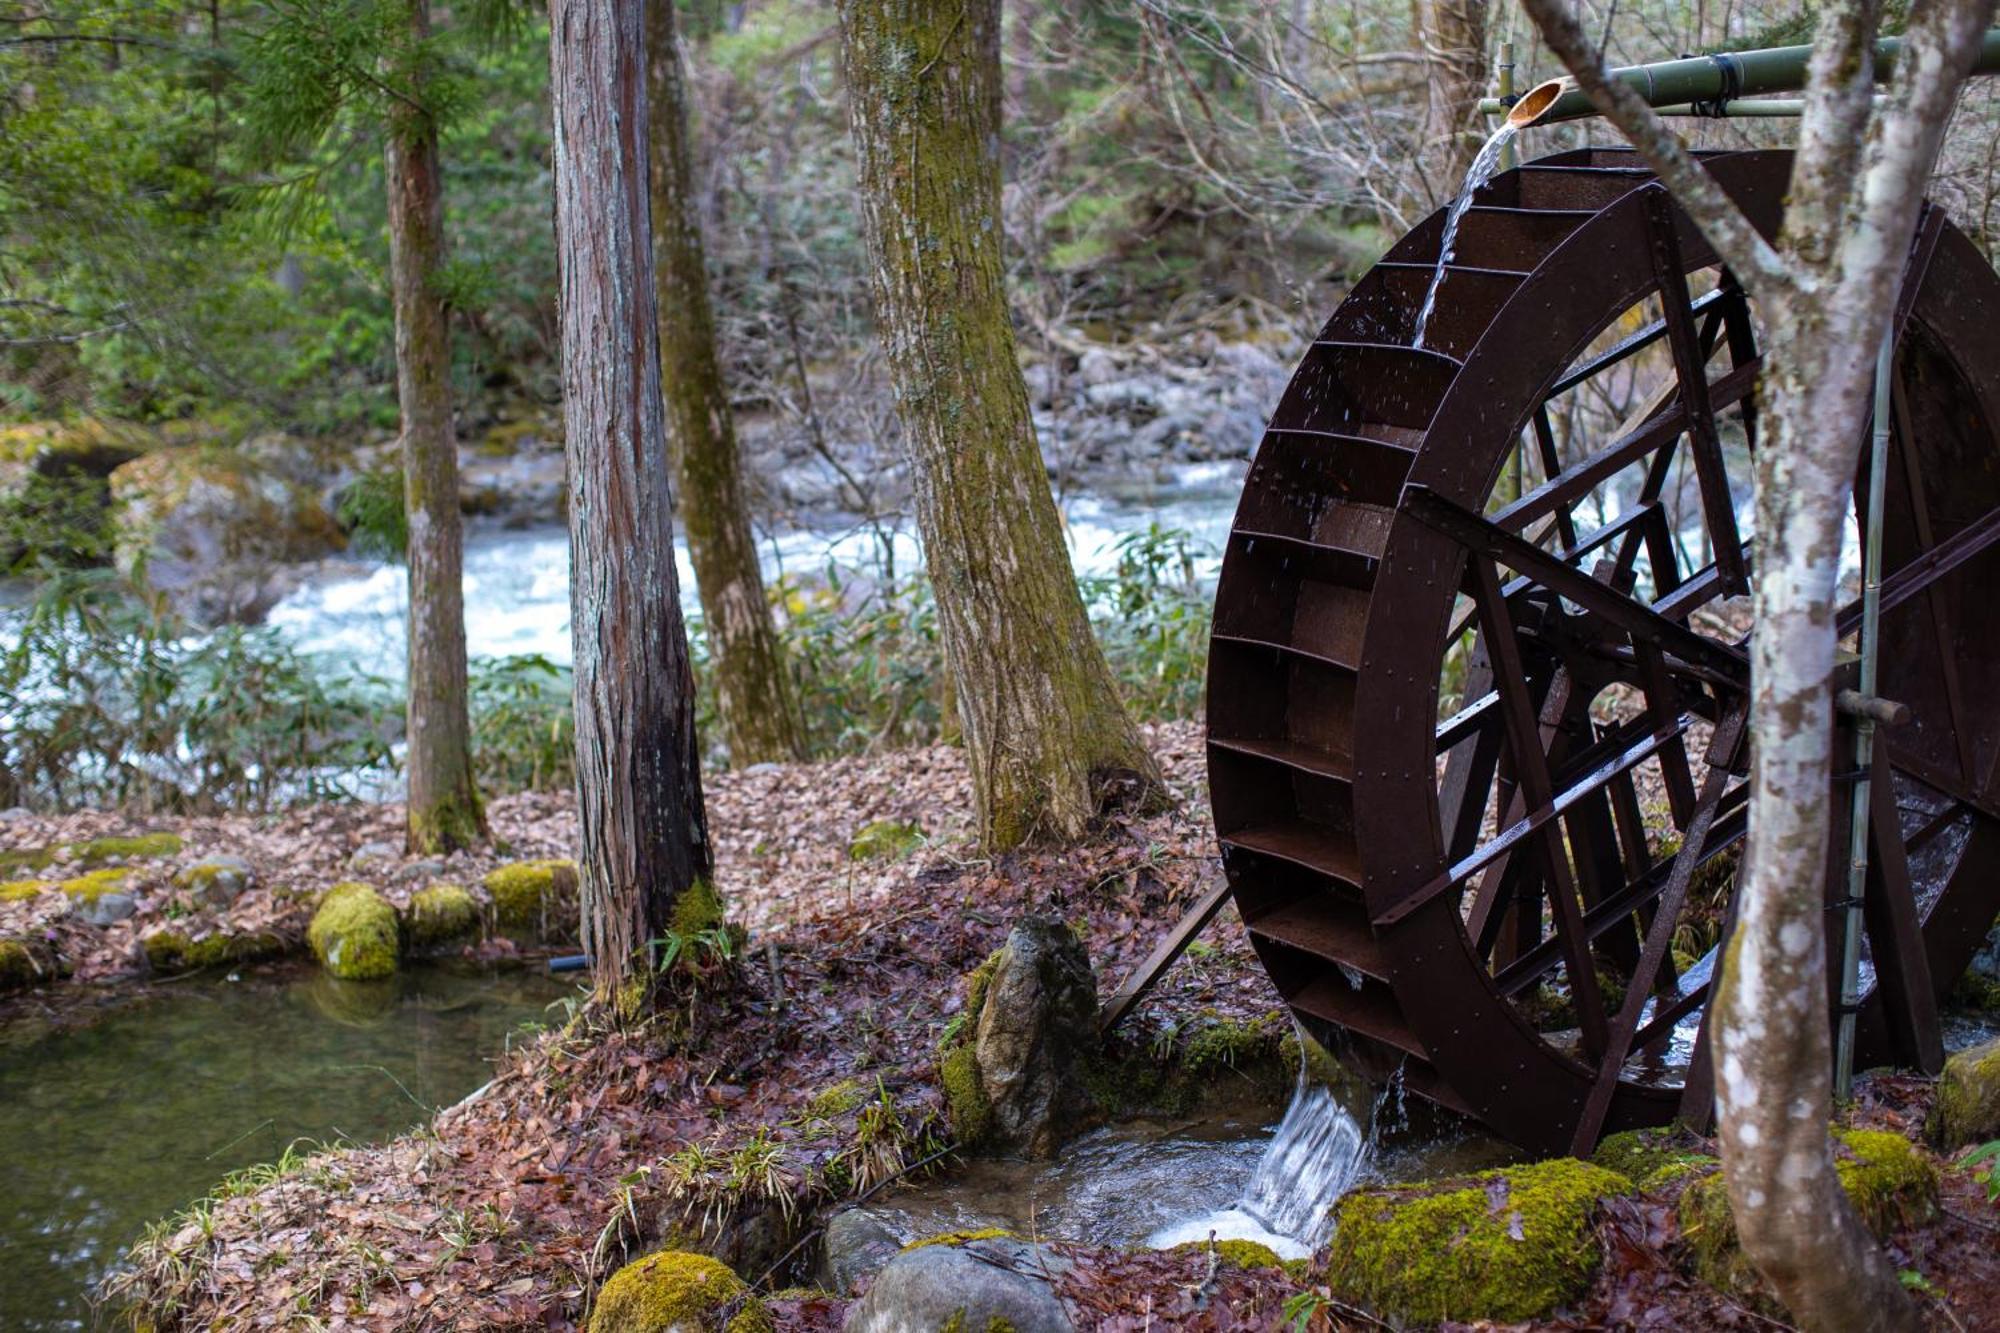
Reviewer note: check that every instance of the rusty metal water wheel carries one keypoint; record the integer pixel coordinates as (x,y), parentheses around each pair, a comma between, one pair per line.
(1476,760)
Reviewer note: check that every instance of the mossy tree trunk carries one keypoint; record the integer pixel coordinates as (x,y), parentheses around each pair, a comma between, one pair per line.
(444,808)
(1044,729)
(747,662)
(642,828)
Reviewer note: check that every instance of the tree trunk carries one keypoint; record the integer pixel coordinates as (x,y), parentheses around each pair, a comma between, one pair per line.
(642,829)
(444,809)
(1452,34)
(1043,725)
(758,718)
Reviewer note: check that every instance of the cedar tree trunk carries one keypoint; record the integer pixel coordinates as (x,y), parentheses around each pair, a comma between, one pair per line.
(444,810)
(1452,34)
(755,697)
(642,829)
(1827,288)
(1044,729)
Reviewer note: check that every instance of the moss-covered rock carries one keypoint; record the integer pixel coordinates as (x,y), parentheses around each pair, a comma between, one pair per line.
(1967,1109)
(172,950)
(93,884)
(353,934)
(676,1292)
(1641,1154)
(216,881)
(1888,1179)
(440,915)
(526,890)
(1503,1245)
(959,1237)
(20,890)
(25,963)
(966,1103)
(885,839)
(143,847)
(1234,1253)
(1216,1044)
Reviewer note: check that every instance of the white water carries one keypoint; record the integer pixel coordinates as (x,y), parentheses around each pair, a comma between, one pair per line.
(1481,171)
(1317,1155)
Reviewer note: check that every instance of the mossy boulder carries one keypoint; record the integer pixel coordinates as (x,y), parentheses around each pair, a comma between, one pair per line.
(885,839)
(677,1292)
(440,915)
(1649,1157)
(25,963)
(1888,1179)
(1234,1253)
(172,950)
(216,881)
(143,847)
(525,892)
(100,896)
(1505,1245)
(1967,1109)
(354,934)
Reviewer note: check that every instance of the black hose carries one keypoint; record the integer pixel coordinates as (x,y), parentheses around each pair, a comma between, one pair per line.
(575,962)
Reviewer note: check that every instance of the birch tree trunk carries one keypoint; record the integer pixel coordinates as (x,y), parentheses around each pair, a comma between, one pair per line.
(1044,729)
(443,810)
(642,828)
(758,718)
(1827,288)
(1452,34)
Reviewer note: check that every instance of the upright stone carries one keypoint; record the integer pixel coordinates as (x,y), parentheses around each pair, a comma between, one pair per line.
(1038,1018)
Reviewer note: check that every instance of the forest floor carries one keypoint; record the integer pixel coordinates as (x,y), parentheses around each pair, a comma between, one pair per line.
(802,1072)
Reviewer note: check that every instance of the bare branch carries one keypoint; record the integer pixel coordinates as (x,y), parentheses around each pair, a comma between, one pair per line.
(1756,263)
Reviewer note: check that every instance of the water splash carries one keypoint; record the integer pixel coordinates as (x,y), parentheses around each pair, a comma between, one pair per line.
(1317,1155)
(1481,171)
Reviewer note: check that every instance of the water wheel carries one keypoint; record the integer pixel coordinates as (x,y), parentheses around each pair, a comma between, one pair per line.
(1476,744)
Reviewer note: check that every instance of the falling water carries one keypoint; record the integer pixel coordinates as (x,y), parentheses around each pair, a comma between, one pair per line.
(1316,1156)
(1476,176)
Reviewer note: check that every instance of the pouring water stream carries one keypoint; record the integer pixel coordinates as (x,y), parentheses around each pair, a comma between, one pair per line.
(1477,175)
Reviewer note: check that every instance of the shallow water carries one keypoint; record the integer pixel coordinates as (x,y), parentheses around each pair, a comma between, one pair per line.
(106,1127)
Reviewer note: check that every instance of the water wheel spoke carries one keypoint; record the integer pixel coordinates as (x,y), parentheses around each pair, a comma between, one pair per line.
(1895,935)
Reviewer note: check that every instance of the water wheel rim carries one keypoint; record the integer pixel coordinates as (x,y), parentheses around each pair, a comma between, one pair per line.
(1406,990)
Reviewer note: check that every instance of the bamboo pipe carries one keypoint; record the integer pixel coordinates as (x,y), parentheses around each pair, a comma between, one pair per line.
(1711,84)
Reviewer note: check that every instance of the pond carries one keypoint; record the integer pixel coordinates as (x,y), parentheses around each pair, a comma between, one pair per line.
(120,1121)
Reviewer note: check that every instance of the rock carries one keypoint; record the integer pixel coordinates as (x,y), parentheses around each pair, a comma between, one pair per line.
(1888,1179)
(217,881)
(372,855)
(100,896)
(889,839)
(211,528)
(440,915)
(520,489)
(171,950)
(1967,1109)
(857,1243)
(1505,1245)
(417,870)
(676,1292)
(1036,1019)
(525,892)
(985,1283)
(354,933)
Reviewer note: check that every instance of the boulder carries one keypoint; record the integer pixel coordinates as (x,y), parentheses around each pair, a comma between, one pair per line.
(101,897)
(856,1244)
(526,892)
(440,915)
(170,950)
(987,1282)
(675,1292)
(372,856)
(354,933)
(1036,1020)
(213,528)
(1967,1109)
(216,881)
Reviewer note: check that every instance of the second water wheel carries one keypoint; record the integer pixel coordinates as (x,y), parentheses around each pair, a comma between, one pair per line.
(1476,744)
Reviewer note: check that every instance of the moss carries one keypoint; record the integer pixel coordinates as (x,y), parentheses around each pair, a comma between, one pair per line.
(1888,1180)
(171,951)
(446,825)
(523,891)
(698,909)
(27,858)
(440,914)
(20,890)
(353,934)
(1298,1270)
(1680,1169)
(92,885)
(1503,1245)
(960,1237)
(1967,1109)
(675,1290)
(1226,1044)
(1638,1154)
(836,1099)
(23,965)
(965,1095)
(1296,1049)
(976,983)
(887,839)
(1235,1253)
(146,845)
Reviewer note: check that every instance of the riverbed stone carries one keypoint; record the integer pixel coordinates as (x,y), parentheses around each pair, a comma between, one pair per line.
(354,933)
(171,950)
(101,897)
(372,856)
(673,1291)
(984,1283)
(1036,1020)
(855,1244)
(1967,1109)
(440,915)
(216,881)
